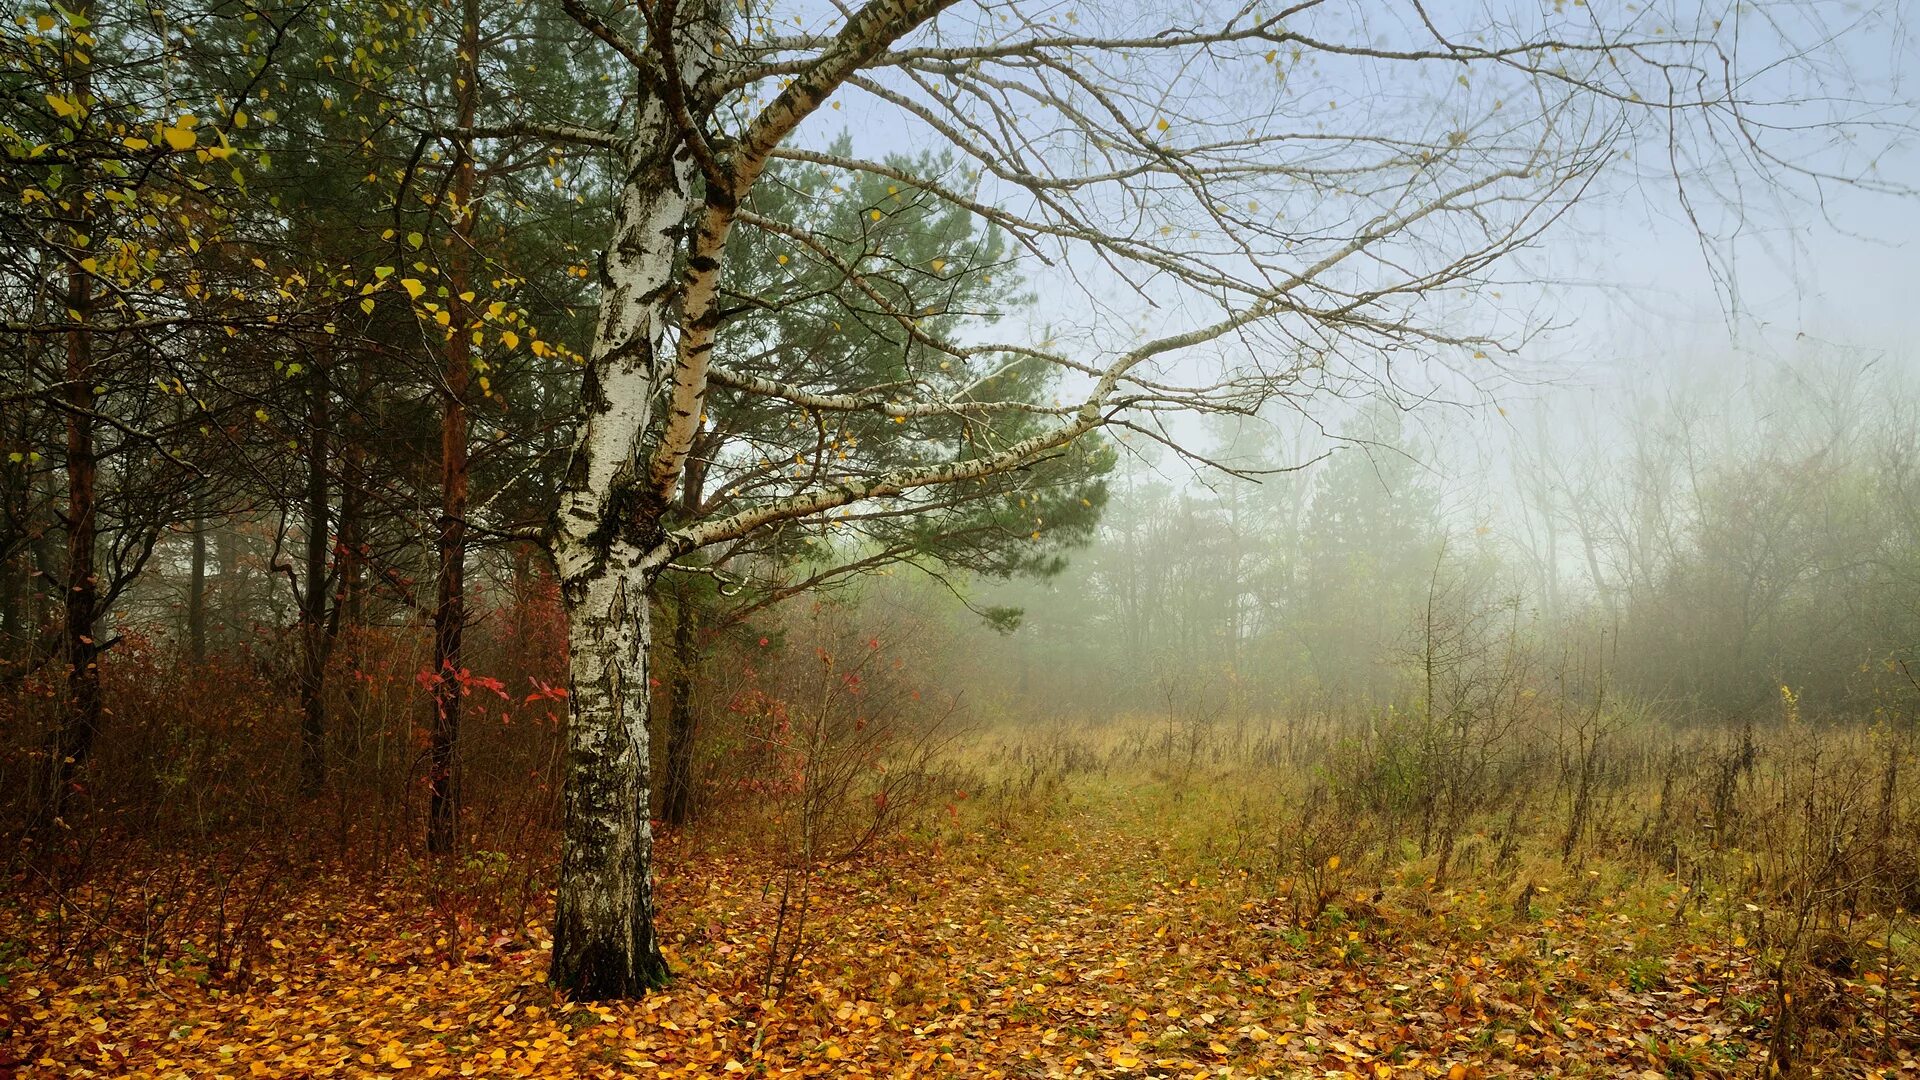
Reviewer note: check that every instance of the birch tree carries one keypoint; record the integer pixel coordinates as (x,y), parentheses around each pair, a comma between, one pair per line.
(1232,203)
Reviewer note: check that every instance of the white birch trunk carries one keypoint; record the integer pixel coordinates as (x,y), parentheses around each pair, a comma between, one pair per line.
(604,945)
(608,539)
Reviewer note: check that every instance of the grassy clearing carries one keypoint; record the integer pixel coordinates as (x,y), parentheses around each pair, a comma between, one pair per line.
(1079,905)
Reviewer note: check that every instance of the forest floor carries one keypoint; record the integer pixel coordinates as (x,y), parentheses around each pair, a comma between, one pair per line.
(1089,944)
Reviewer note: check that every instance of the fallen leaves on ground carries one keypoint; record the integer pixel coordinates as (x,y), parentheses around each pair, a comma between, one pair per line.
(1076,952)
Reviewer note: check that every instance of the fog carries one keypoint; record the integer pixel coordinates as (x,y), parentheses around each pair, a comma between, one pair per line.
(1696,475)
(960,537)
(1709,541)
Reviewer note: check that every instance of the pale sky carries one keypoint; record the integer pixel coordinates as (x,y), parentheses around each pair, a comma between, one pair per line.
(1625,274)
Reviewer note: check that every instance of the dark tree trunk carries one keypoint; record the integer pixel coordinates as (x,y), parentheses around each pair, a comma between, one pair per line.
(13,635)
(16,567)
(80,725)
(677,796)
(522,580)
(313,613)
(677,806)
(350,597)
(449,624)
(353,502)
(197,592)
(449,611)
(226,585)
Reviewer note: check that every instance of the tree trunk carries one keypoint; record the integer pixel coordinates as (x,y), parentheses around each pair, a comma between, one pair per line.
(608,529)
(604,944)
(522,584)
(313,613)
(449,624)
(10,592)
(13,590)
(353,501)
(16,565)
(197,590)
(226,586)
(354,554)
(80,724)
(449,611)
(676,804)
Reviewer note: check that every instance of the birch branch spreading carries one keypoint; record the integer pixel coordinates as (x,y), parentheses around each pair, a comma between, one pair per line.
(1247,204)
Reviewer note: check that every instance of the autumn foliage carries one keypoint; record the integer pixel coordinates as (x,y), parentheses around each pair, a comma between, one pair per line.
(863,893)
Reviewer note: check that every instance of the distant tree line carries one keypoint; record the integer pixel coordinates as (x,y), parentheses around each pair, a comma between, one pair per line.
(1712,545)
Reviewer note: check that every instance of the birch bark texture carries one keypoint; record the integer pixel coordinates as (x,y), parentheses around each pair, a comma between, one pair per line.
(604,944)
(608,541)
